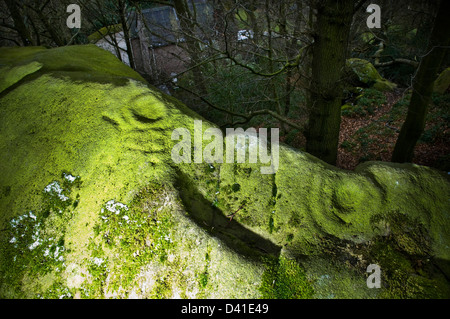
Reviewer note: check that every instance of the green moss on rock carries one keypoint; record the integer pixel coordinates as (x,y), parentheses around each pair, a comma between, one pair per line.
(105,31)
(285,279)
(12,75)
(367,74)
(141,226)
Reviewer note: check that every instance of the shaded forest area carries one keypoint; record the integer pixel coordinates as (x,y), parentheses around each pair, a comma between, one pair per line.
(286,63)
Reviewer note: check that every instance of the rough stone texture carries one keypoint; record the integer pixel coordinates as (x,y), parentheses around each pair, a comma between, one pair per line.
(442,83)
(92,205)
(368,74)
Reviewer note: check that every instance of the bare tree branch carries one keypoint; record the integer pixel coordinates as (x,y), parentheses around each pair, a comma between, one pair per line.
(246,117)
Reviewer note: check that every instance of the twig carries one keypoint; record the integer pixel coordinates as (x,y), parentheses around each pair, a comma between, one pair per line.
(232,215)
(248,116)
(73,37)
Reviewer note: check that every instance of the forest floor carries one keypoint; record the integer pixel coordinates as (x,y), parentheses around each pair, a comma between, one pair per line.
(373,136)
(369,132)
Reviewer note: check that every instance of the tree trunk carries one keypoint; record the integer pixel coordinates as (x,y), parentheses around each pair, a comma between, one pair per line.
(187,25)
(126,32)
(144,45)
(19,24)
(329,53)
(254,25)
(290,49)
(423,82)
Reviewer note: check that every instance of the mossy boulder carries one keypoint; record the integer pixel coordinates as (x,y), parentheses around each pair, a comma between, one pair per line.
(442,83)
(105,31)
(93,206)
(368,75)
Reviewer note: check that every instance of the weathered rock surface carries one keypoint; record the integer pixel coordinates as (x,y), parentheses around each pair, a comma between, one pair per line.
(368,75)
(442,83)
(92,204)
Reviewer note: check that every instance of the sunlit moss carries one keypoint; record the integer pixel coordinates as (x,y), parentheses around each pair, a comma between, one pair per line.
(132,236)
(139,225)
(285,279)
(37,238)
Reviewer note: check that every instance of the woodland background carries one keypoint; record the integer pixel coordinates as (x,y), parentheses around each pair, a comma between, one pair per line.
(248,63)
